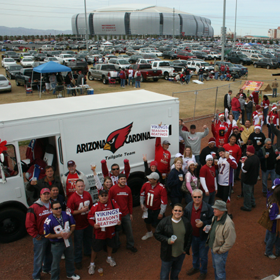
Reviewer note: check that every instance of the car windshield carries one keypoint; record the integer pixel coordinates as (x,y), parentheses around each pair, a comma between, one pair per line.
(123,61)
(52,59)
(27,59)
(164,64)
(109,67)
(205,64)
(2,78)
(229,64)
(16,67)
(9,60)
(11,53)
(67,55)
(191,54)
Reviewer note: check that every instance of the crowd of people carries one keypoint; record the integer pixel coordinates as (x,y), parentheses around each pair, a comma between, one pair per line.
(202,177)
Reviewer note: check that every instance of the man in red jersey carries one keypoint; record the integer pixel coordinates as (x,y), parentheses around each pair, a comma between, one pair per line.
(121,193)
(69,179)
(34,223)
(162,156)
(102,236)
(153,200)
(79,204)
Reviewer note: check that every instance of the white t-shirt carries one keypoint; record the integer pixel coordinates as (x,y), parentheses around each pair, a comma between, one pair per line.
(226,173)
(130,73)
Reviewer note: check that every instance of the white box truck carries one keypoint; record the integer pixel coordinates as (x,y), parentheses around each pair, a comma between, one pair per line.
(79,128)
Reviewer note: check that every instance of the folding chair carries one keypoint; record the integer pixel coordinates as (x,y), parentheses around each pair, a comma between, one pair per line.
(112,82)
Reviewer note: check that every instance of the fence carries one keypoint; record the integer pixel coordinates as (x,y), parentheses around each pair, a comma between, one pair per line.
(198,104)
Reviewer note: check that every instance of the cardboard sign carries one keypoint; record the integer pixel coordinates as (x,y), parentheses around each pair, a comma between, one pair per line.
(159,131)
(107,218)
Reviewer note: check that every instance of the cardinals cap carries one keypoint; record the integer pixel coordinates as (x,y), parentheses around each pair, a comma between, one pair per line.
(70,163)
(153,175)
(45,190)
(103,192)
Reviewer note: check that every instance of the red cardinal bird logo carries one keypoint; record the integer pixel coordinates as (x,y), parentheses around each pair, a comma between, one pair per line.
(117,138)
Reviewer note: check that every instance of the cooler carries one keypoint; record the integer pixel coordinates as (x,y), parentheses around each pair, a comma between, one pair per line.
(90,91)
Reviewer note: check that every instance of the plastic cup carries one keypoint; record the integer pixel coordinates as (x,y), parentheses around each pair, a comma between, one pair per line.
(100,271)
(173,237)
(213,154)
(216,162)
(207,228)
(267,153)
(197,220)
(243,159)
(34,180)
(258,142)
(163,176)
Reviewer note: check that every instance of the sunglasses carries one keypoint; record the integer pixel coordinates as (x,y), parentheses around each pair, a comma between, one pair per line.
(105,195)
(196,196)
(57,208)
(113,169)
(177,210)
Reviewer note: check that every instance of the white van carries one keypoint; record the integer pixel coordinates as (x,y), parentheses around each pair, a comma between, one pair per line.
(78,129)
(46,48)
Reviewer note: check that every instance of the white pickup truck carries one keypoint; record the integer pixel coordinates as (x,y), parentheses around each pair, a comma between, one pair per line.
(214,55)
(65,58)
(166,69)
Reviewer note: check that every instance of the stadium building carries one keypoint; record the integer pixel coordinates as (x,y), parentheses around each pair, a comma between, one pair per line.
(137,19)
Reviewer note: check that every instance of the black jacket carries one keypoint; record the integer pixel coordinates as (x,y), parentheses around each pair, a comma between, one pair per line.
(255,137)
(277,133)
(252,166)
(272,157)
(163,232)
(148,171)
(226,105)
(207,151)
(173,183)
(205,216)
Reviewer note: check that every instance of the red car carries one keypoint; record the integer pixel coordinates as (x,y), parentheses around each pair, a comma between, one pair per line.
(185,55)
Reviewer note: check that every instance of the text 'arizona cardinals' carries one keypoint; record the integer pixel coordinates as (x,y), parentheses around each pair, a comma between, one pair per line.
(114,141)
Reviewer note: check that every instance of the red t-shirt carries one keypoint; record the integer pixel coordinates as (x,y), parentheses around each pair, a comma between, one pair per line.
(209,174)
(70,183)
(77,202)
(234,151)
(123,197)
(195,215)
(154,197)
(162,157)
(274,117)
(109,231)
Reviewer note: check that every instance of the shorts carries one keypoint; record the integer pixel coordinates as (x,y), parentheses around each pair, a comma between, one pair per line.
(47,86)
(152,218)
(224,192)
(98,244)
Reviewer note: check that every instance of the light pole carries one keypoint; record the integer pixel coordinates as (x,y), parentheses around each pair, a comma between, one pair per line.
(224,33)
(234,39)
(86,24)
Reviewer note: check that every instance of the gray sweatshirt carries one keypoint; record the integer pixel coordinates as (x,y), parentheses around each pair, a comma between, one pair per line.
(193,140)
(242,103)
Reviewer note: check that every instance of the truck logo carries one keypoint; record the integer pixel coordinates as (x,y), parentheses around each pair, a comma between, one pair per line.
(117,138)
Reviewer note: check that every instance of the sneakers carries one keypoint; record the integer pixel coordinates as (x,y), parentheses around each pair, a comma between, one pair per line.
(74,277)
(111,262)
(244,209)
(192,271)
(46,272)
(91,269)
(63,257)
(272,257)
(147,236)
(132,249)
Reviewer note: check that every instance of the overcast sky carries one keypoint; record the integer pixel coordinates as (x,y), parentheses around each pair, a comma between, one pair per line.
(254,17)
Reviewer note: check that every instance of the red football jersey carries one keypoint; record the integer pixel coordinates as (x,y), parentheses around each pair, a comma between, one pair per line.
(209,173)
(154,197)
(70,183)
(109,231)
(77,202)
(123,197)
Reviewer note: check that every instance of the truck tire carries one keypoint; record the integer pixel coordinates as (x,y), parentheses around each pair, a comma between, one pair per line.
(104,81)
(166,76)
(12,225)
(135,185)
(90,77)
(155,79)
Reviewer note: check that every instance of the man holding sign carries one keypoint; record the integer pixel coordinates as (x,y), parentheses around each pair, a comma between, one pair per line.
(103,216)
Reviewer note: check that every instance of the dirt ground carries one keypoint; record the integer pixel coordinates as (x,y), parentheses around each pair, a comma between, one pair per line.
(246,259)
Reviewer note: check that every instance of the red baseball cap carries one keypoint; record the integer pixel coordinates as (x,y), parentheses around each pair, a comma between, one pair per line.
(45,190)
(70,163)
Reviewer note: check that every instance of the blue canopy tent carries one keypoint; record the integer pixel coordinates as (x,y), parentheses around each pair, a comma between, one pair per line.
(50,67)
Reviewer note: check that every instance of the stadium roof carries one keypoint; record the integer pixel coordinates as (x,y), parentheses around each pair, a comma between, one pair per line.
(138,8)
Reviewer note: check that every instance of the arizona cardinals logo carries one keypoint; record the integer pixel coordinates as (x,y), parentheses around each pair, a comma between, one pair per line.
(117,138)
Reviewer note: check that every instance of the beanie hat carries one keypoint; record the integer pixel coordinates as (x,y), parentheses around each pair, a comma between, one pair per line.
(258,107)
(153,163)
(208,157)
(211,140)
(251,149)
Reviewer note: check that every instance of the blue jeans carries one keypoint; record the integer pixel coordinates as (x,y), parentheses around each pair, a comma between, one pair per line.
(82,238)
(200,77)
(137,84)
(270,134)
(188,78)
(122,82)
(126,224)
(129,79)
(274,92)
(216,75)
(53,86)
(175,200)
(200,254)
(197,159)
(271,240)
(42,255)
(249,199)
(68,90)
(58,249)
(210,199)
(219,264)
(222,77)
(236,115)
(171,268)
(264,178)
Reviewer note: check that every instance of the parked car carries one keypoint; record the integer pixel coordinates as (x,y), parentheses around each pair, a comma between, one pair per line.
(256,57)
(48,59)
(12,70)
(11,54)
(26,62)
(266,63)
(169,54)
(119,63)
(200,55)
(166,69)
(196,64)
(5,84)
(147,73)
(24,77)
(185,55)
(8,61)
(134,58)
(239,58)
(39,56)
(101,71)
(65,58)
